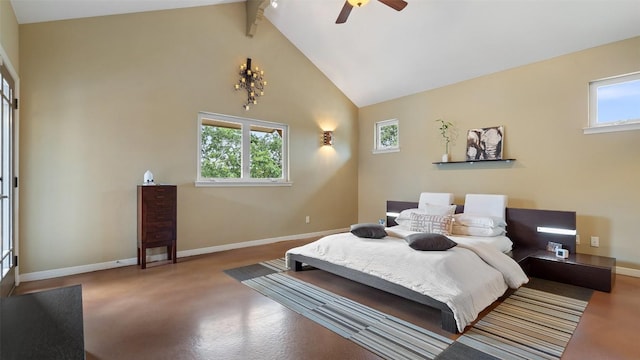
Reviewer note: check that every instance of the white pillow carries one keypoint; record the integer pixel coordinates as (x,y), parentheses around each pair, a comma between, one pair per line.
(435,198)
(479,221)
(485,204)
(434,209)
(404,218)
(476,231)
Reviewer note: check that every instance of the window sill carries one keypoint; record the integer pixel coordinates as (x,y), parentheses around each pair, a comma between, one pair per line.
(611,128)
(211,183)
(385,151)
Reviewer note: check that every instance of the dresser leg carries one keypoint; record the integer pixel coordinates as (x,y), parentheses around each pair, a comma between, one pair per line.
(143,257)
(175,252)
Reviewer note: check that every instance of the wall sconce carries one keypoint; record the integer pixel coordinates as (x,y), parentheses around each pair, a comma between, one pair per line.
(327,138)
(252,82)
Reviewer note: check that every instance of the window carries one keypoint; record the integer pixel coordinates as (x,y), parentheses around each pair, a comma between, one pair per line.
(240,151)
(614,104)
(386,136)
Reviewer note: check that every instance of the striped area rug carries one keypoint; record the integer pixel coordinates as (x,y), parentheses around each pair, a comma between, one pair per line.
(529,324)
(535,322)
(382,334)
(276,264)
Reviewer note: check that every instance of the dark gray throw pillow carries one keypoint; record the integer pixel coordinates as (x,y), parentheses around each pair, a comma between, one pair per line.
(429,242)
(371,231)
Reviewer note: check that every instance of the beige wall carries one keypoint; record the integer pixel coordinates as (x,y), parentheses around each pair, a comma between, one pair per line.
(104,99)
(9,32)
(543,107)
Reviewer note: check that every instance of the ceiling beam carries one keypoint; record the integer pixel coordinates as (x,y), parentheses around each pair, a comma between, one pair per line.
(255,14)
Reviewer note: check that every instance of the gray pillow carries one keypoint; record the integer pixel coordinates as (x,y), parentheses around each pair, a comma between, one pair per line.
(371,231)
(429,242)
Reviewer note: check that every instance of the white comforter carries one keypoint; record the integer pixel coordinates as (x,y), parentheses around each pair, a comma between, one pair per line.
(468,277)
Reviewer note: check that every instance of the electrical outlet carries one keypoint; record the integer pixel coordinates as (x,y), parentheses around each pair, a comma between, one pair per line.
(595,241)
(307,220)
(577,239)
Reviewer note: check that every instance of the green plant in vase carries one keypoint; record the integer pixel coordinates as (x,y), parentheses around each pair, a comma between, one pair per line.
(447,132)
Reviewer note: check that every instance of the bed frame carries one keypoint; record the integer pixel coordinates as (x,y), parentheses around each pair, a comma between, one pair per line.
(523,228)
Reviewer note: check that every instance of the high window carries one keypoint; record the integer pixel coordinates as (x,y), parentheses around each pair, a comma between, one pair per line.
(614,104)
(241,151)
(386,136)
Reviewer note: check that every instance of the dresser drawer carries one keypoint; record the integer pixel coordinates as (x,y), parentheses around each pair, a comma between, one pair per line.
(164,201)
(155,226)
(154,236)
(160,189)
(158,216)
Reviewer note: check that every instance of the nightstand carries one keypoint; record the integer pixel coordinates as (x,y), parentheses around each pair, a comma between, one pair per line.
(590,271)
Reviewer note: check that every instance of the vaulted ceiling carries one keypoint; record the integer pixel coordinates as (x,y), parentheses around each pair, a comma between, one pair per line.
(380,54)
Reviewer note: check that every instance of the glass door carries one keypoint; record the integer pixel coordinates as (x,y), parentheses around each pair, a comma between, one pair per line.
(7,246)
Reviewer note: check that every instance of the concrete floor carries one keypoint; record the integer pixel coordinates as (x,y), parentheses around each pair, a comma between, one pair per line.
(192,310)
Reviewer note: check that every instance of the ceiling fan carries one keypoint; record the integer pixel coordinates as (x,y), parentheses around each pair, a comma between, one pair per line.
(349,4)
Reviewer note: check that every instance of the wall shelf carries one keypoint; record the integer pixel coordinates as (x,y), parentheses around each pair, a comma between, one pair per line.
(471,162)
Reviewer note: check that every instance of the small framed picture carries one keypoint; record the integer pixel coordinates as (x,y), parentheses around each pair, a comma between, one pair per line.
(485,143)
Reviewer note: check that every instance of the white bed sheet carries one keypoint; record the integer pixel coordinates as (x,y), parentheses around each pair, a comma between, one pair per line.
(501,242)
(460,277)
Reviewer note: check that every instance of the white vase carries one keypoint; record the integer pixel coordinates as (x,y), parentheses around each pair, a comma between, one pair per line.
(445,157)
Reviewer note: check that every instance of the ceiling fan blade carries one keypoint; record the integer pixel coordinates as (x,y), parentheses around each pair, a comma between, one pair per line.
(344,14)
(395,4)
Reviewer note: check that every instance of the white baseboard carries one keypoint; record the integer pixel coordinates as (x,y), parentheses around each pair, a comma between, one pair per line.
(627,271)
(49,274)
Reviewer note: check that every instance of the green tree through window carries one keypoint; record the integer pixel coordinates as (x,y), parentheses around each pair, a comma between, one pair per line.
(266,155)
(389,136)
(221,152)
(241,150)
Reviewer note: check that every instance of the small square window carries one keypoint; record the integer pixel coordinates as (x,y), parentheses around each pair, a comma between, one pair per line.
(614,104)
(386,136)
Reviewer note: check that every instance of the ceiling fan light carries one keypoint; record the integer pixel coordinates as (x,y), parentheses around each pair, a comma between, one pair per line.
(358,3)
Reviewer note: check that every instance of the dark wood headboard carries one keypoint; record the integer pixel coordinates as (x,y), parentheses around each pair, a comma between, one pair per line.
(523,225)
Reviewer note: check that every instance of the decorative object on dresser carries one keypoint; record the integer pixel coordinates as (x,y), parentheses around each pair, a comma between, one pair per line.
(157,210)
(148,178)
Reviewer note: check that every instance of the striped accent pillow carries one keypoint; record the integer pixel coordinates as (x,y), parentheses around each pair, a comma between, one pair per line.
(437,224)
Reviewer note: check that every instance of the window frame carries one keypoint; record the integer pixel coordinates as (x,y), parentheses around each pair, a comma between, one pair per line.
(623,125)
(378,148)
(245,179)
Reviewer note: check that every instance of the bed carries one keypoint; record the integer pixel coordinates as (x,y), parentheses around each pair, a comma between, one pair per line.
(461,281)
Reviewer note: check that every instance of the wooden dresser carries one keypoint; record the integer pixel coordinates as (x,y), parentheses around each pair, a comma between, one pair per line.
(157,210)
